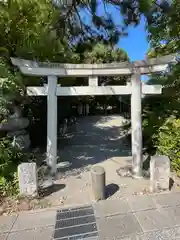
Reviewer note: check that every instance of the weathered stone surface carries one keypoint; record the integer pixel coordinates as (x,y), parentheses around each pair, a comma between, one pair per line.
(133,237)
(3,236)
(118,226)
(163,234)
(167,199)
(174,214)
(35,220)
(141,203)
(39,233)
(6,223)
(152,220)
(111,207)
(15,126)
(159,173)
(22,141)
(27,175)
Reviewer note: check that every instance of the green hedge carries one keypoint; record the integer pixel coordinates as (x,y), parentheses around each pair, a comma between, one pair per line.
(167,142)
(9,160)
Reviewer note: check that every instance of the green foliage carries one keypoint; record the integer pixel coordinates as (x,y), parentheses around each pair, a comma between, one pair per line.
(102,22)
(9,160)
(104,53)
(167,141)
(11,87)
(161,131)
(27,30)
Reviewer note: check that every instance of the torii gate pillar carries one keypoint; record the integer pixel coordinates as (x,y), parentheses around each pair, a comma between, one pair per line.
(136,125)
(52,123)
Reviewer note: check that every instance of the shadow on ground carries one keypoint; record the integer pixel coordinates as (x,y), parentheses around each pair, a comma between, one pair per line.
(46,191)
(111,189)
(92,140)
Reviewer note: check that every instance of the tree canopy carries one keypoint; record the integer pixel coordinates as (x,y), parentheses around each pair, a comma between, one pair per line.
(102,24)
(162,113)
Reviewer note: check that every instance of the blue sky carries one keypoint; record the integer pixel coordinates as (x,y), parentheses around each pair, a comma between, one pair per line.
(135,44)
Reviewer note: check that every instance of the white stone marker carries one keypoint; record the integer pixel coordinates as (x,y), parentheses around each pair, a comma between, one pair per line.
(27,175)
(159,173)
(87,109)
(80,109)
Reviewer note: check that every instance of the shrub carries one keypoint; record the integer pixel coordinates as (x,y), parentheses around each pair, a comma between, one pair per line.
(167,142)
(9,159)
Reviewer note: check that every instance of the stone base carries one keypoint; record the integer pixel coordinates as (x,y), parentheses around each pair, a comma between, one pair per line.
(128,172)
(22,142)
(125,172)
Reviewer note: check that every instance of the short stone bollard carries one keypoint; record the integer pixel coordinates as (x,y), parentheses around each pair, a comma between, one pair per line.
(27,175)
(98,183)
(159,173)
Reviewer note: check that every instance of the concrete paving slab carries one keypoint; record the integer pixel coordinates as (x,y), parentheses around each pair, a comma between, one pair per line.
(152,220)
(167,199)
(141,203)
(34,220)
(111,207)
(163,234)
(118,226)
(174,214)
(6,223)
(137,237)
(3,236)
(33,234)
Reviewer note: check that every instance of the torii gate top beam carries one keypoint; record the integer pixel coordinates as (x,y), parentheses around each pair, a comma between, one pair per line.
(82,70)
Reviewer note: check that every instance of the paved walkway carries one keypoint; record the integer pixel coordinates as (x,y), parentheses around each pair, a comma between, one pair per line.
(132,218)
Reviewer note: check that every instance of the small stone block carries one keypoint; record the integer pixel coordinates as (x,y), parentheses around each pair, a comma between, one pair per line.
(159,173)
(27,175)
(93,81)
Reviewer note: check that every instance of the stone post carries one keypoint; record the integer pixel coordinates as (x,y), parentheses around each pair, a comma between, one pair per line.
(27,175)
(159,173)
(80,109)
(98,183)
(87,109)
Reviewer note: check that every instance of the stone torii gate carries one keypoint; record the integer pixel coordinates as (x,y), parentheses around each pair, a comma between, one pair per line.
(136,89)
